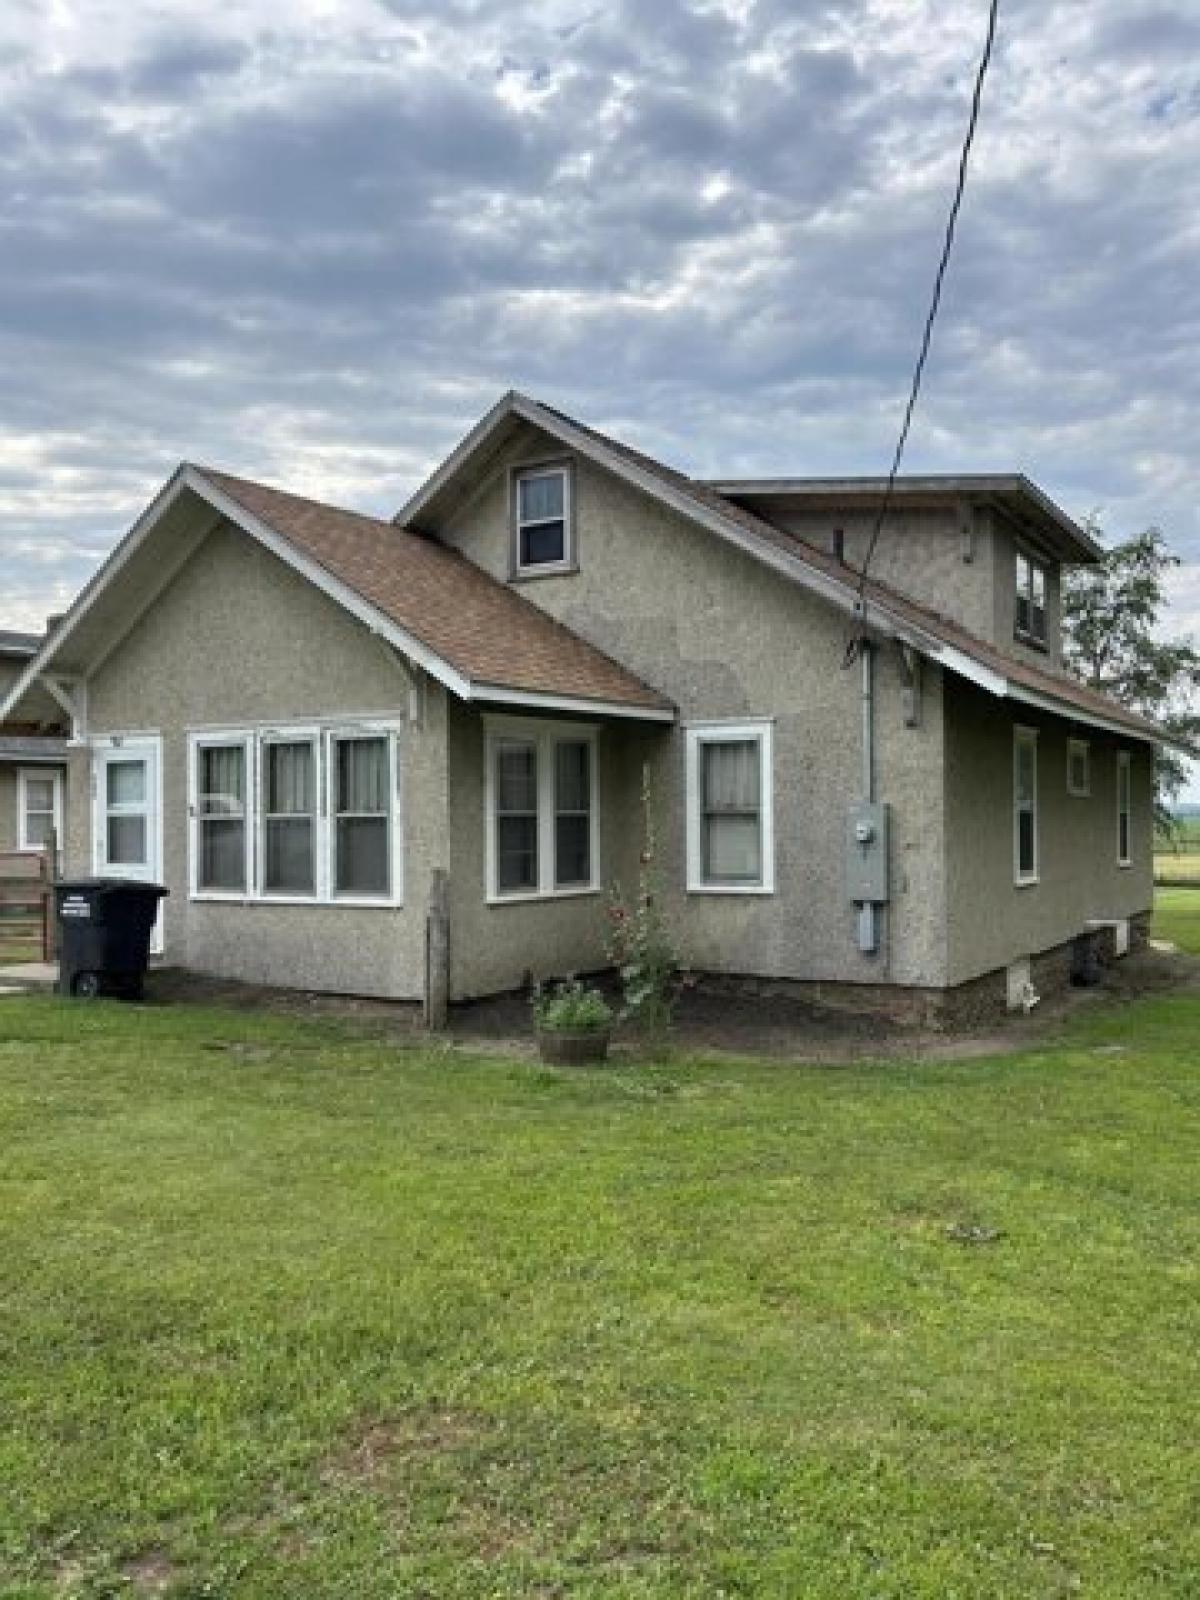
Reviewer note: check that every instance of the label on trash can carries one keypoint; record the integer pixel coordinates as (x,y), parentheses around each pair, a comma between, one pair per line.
(76,905)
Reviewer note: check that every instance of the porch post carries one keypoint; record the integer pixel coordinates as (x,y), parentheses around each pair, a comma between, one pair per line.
(437,951)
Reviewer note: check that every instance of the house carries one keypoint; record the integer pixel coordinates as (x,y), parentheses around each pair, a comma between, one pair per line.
(33,753)
(303,720)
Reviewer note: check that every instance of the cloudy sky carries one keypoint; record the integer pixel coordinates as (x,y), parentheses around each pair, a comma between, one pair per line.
(312,242)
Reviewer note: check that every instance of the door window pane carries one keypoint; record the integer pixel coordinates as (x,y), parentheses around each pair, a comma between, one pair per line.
(38,827)
(126,782)
(126,841)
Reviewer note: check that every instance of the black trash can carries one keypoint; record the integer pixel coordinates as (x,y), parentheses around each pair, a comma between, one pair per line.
(104,927)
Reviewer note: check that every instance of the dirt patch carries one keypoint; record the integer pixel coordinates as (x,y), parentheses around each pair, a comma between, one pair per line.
(151,1572)
(770,1023)
(368,1451)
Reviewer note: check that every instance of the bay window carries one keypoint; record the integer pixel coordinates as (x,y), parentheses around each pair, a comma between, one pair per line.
(540,809)
(730,832)
(296,814)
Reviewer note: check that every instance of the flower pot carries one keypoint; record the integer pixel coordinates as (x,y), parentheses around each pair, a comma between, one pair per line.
(573,1047)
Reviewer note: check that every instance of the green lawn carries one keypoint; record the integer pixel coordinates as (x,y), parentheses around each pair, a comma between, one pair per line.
(285,1311)
(1177,917)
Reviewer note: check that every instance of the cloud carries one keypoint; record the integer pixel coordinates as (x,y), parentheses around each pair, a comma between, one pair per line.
(313,243)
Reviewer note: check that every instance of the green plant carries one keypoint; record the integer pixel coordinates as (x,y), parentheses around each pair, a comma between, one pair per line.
(639,939)
(569,1007)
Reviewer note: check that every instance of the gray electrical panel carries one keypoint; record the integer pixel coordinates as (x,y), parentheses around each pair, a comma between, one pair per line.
(868,839)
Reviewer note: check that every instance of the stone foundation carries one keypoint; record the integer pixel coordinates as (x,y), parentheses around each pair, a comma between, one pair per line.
(978,1001)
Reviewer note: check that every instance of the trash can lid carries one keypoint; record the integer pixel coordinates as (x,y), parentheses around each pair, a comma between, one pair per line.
(97,886)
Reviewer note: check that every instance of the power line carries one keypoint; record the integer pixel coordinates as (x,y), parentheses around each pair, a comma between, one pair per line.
(855,643)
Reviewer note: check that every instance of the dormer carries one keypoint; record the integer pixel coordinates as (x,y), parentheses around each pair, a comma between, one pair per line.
(984,552)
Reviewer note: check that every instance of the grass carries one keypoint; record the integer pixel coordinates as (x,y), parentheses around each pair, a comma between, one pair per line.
(1177,917)
(1177,856)
(284,1310)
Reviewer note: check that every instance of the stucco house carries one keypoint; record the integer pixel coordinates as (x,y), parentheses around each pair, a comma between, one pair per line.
(302,719)
(33,753)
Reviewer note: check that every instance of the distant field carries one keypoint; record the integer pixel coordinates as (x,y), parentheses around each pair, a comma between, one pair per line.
(1177,856)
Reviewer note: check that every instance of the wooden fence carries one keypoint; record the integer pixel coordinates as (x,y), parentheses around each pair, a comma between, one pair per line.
(27,905)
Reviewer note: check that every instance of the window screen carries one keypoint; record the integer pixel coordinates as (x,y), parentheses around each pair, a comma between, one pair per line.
(289,816)
(361,816)
(731,811)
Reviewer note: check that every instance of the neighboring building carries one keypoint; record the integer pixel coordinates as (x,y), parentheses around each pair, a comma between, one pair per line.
(295,715)
(33,754)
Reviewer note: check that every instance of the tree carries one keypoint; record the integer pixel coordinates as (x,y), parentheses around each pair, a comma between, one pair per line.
(1111,619)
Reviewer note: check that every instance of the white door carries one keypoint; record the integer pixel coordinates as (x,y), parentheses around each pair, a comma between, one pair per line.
(127,813)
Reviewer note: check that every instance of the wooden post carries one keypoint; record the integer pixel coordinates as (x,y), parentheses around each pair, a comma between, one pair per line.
(49,920)
(437,951)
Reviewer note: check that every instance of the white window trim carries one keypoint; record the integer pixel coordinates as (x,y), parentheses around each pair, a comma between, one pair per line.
(1025,736)
(40,775)
(394,894)
(500,730)
(253,741)
(221,739)
(1125,767)
(542,469)
(1074,748)
(697,735)
(1035,564)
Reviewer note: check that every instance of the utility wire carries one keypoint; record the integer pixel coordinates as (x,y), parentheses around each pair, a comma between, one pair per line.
(856,641)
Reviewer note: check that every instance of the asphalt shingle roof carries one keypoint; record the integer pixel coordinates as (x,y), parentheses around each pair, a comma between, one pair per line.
(482,628)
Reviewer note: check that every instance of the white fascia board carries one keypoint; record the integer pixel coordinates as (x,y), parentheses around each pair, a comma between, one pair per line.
(575,705)
(321,578)
(842,595)
(464,449)
(1090,719)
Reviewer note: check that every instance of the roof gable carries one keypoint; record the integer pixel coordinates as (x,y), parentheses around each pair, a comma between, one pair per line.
(478,637)
(882,609)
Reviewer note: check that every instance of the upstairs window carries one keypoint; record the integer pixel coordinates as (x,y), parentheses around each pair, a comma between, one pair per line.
(1124,809)
(1030,622)
(542,520)
(1025,806)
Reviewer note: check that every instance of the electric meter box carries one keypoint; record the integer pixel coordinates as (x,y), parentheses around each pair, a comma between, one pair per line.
(868,850)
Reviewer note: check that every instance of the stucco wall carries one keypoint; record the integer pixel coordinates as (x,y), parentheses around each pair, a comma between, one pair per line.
(919,552)
(238,638)
(990,920)
(655,592)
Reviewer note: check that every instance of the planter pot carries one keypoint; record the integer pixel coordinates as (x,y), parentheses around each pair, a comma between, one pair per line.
(573,1047)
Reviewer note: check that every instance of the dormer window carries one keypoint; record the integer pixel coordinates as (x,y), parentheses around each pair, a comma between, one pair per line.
(1030,624)
(542,532)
